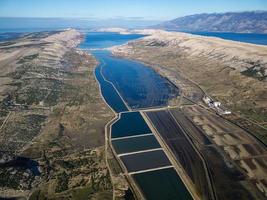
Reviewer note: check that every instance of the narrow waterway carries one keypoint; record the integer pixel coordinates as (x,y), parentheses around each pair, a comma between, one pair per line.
(109,92)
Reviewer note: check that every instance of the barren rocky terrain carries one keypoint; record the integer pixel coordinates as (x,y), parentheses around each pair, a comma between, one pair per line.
(237,22)
(52,120)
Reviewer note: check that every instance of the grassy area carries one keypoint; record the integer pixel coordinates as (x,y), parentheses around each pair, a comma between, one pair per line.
(82,193)
(254,73)
(28,58)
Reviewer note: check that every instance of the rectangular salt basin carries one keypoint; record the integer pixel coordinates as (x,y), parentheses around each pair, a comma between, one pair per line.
(145,161)
(131,123)
(135,144)
(164,184)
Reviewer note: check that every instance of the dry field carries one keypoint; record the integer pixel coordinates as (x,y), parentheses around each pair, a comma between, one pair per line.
(235,144)
(231,159)
(53,114)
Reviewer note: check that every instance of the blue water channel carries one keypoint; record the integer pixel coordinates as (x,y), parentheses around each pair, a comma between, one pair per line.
(252,38)
(108,91)
(134,84)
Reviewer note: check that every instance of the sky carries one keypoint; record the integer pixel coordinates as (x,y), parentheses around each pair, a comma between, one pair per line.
(123,9)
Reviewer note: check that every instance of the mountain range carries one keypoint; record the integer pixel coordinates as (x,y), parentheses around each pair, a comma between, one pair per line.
(239,22)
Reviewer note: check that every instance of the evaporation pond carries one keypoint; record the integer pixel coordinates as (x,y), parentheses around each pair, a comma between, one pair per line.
(144,161)
(134,144)
(164,184)
(129,124)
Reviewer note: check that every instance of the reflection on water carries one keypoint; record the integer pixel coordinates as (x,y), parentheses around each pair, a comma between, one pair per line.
(135,144)
(162,184)
(139,86)
(129,124)
(109,93)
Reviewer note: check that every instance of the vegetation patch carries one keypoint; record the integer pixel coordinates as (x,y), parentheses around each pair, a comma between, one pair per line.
(255,73)
(62,182)
(28,58)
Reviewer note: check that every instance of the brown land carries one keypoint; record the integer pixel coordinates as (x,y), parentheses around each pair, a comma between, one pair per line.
(236,144)
(52,112)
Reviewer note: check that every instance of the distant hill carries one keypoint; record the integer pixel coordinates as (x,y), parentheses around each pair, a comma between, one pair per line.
(239,22)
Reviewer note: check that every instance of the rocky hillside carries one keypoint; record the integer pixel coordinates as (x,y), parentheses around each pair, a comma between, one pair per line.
(52,120)
(240,22)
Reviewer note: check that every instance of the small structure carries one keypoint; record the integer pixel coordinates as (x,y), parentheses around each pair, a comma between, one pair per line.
(216,105)
(207,100)
(226,112)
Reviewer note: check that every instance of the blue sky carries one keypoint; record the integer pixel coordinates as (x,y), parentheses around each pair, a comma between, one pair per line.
(128,9)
